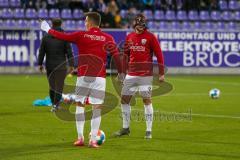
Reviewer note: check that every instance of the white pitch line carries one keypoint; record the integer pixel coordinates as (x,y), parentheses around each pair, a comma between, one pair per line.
(209,82)
(197,114)
(214,116)
(196,94)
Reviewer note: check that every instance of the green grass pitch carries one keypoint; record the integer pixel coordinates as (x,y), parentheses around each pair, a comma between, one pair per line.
(213,133)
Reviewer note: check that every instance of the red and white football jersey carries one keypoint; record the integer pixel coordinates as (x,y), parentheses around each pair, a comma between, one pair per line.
(139,49)
(93,46)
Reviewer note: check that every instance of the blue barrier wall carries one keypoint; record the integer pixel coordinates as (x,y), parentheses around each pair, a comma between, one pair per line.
(181,49)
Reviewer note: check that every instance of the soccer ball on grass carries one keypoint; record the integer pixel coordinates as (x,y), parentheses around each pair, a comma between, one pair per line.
(214,93)
(100,137)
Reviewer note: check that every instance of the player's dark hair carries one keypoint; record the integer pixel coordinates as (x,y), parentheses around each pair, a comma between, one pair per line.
(140,20)
(56,22)
(94,17)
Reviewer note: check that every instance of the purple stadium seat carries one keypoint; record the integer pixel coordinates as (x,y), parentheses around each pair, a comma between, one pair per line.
(223,5)
(156,25)
(19,13)
(208,26)
(9,23)
(148,14)
(54,13)
(4,3)
(159,15)
(78,14)
(69,24)
(80,24)
(152,25)
(34,24)
(193,15)
(7,13)
(1,23)
(66,14)
(182,15)
(15,3)
(123,13)
(232,25)
(163,25)
(31,13)
(197,25)
(227,16)
(215,15)
(73,24)
(204,15)
(170,15)
(220,25)
(237,15)
(22,23)
(234,5)
(43,13)
(186,25)
(49,22)
(175,25)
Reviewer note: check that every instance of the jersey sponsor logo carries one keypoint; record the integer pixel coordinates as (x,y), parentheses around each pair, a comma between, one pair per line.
(138,48)
(144,41)
(95,37)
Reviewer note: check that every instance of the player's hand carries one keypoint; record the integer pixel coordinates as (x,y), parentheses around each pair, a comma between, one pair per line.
(161,78)
(121,77)
(45,26)
(41,68)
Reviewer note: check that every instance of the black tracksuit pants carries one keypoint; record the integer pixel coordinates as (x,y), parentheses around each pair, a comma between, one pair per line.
(56,83)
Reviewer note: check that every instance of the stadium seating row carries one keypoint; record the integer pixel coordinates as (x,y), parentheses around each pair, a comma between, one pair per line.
(30,13)
(192,15)
(233,5)
(10,3)
(223,5)
(19,13)
(175,25)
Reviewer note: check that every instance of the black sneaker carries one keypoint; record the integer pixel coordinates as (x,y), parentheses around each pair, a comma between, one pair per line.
(148,135)
(121,132)
(54,108)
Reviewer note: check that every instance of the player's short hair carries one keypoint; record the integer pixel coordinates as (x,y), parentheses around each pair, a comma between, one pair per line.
(139,20)
(56,22)
(94,17)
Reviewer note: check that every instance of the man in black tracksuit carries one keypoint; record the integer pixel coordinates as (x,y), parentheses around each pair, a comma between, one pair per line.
(58,55)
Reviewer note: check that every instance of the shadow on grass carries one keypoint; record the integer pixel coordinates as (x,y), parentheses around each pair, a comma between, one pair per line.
(33,111)
(170,151)
(28,150)
(129,138)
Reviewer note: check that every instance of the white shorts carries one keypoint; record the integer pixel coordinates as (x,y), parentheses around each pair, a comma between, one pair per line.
(132,84)
(92,87)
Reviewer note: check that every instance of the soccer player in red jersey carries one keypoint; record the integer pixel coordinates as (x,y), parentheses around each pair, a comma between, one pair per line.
(93,46)
(139,47)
